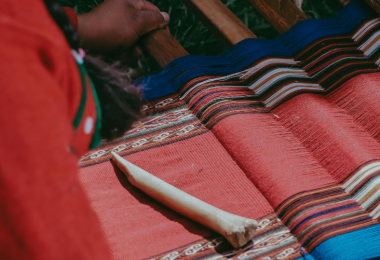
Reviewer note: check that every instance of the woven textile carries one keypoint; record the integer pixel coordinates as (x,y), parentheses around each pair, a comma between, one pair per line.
(290,140)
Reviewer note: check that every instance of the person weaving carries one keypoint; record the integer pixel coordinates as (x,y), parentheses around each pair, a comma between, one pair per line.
(52,112)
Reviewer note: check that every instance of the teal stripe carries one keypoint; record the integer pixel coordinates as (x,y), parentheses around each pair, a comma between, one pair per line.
(95,141)
(82,105)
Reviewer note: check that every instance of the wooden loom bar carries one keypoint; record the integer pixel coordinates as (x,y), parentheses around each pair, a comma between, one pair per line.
(162,47)
(281,14)
(220,21)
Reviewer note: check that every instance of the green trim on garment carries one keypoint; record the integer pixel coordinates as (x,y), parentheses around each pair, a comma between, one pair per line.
(82,105)
(95,141)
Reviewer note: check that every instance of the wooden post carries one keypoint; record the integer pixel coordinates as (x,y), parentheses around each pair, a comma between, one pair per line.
(162,47)
(220,21)
(281,14)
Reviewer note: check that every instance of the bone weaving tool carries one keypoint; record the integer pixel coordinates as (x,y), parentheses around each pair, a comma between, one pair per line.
(237,230)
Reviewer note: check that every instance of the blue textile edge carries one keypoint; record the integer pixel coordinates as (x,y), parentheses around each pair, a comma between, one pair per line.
(171,78)
(356,245)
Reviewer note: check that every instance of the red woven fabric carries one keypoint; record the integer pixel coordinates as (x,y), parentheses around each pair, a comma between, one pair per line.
(297,156)
(271,157)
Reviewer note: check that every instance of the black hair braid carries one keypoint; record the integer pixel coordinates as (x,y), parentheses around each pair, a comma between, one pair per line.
(119,101)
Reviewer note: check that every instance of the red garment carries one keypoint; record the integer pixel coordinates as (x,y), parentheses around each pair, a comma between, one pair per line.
(44,212)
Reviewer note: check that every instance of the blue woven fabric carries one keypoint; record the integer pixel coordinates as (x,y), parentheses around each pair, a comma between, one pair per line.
(170,79)
(360,244)
(357,245)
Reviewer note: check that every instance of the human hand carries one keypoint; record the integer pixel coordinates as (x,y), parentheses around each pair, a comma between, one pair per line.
(117,24)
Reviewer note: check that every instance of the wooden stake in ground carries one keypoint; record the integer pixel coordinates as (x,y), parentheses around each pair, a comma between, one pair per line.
(237,230)
(281,14)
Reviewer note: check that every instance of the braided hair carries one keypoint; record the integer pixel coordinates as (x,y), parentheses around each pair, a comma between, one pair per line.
(119,101)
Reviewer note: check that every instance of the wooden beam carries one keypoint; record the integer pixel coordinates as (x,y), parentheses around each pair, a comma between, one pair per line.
(162,47)
(281,14)
(220,21)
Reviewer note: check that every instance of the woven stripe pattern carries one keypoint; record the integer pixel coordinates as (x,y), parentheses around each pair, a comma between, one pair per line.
(283,131)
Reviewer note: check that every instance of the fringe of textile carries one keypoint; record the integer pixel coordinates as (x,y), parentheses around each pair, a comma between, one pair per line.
(359,97)
(272,158)
(328,133)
